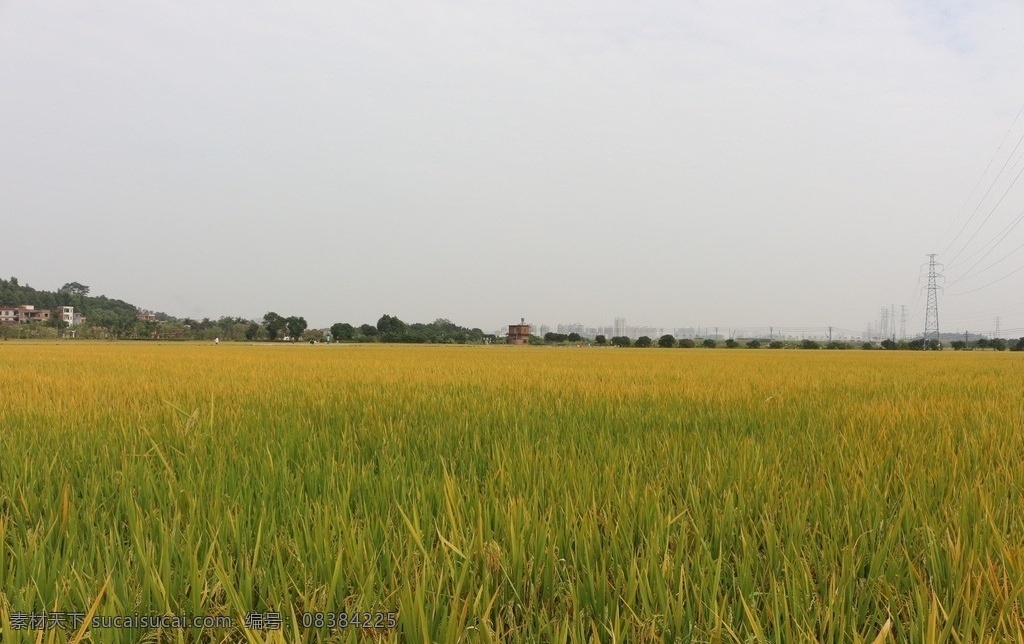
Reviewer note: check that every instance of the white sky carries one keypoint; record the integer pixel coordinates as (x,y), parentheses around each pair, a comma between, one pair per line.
(674,163)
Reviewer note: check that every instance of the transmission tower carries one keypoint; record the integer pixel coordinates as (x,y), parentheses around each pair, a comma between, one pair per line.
(931,313)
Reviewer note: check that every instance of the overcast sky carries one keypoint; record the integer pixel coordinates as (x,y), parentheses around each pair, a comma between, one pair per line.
(673,163)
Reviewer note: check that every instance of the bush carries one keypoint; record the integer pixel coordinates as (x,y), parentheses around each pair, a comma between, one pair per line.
(835,344)
(1018,346)
(687,343)
(732,344)
(754,344)
(868,346)
(775,344)
(888,344)
(809,344)
(709,343)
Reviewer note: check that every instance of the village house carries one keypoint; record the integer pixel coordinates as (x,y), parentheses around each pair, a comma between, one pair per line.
(519,334)
(27,313)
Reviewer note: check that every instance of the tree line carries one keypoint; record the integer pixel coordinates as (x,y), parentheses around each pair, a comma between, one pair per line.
(391,329)
(669,341)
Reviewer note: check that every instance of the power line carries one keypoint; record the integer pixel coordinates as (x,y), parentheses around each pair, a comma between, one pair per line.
(992,265)
(994,180)
(991,245)
(975,290)
(989,215)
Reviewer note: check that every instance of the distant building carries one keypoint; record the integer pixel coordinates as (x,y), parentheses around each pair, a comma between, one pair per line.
(519,334)
(23,314)
(28,313)
(147,316)
(65,314)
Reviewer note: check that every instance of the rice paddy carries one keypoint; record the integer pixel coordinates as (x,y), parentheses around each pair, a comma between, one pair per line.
(511,494)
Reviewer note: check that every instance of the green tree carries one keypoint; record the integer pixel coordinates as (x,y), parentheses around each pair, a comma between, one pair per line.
(687,343)
(754,344)
(666,341)
(732,344)
(342,331)
(643,342)
(368,330)
(252,332)
(274,324)
(296,325)
(809,344)
(391,328)
(601,340)
(621,341)
(709,343)
(75,289)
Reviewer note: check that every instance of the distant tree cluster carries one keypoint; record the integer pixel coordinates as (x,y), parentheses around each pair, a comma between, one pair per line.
(116,319)
(562,338)
(995,344)
(668,341)
(287,328)
(105,317)
(389,328)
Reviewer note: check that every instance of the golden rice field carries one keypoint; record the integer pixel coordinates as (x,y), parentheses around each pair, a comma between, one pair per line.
(512,494)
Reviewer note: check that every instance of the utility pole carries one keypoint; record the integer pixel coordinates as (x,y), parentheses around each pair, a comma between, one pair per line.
(931,313)
(903,321)
(997,333)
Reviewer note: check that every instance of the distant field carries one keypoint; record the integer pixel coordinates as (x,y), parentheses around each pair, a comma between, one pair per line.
(514,494)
